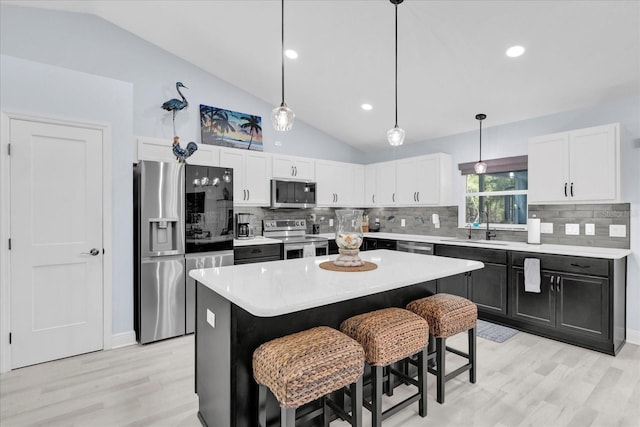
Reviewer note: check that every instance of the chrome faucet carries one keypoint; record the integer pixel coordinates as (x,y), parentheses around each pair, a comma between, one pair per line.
(488,233)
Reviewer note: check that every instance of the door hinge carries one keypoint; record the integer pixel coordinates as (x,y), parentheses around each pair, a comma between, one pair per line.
(9,244)
(9,337)
(9,149)
(102,251)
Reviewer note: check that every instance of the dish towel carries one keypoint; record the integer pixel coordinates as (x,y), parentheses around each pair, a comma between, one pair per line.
(532,275)
(308,250)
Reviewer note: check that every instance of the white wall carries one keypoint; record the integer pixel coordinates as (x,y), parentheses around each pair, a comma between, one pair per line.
(43,90)
(90,44)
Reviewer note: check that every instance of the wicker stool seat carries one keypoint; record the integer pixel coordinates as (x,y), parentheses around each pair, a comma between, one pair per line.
(448,315)
(387,336)
(305,366)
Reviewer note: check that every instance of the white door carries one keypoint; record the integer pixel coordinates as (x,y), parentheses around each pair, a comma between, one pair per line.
(56,222)
(256,177)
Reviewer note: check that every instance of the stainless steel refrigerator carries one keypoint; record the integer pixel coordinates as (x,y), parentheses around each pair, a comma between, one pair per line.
(183,219)
(159,267)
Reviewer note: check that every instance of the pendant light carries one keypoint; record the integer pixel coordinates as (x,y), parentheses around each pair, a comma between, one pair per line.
(282,116)
(480,167)
(395,136)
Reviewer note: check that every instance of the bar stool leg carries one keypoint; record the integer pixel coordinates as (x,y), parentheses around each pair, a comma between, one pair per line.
(287,417)
(472,355)
(262,406)
(376,396)
(441,345)
(325,412)
(356,403)
(422,378)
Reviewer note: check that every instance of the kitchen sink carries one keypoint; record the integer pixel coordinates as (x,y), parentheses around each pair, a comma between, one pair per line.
(484,242)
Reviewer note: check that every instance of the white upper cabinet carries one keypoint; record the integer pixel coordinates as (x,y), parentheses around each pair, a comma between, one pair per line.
(289,167)
(160,150)
(386,184)
(424,180)
(370,184)
(339,184)
(575,166)
(251,176)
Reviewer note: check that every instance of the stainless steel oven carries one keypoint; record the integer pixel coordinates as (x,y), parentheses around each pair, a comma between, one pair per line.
(296,242)
(301,248)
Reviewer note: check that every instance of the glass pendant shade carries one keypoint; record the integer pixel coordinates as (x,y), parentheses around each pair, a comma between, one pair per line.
(480,167)
(395,136)
(282,117)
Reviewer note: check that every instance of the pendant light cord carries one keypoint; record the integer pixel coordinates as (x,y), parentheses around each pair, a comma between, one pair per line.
(282,50)
(396,77)
(480,141)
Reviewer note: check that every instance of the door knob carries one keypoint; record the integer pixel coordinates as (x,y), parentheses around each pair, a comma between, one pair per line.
(92,252)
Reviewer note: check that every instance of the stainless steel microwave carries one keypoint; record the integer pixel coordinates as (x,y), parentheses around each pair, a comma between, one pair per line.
(292,194)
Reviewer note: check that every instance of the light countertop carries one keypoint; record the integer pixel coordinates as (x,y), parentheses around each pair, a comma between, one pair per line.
(274,288)
(257,240)
(583,251)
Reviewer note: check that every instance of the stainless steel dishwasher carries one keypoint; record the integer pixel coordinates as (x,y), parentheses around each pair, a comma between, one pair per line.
(415,247)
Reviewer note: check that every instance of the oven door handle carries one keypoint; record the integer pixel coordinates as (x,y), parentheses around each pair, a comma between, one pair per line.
(293,248)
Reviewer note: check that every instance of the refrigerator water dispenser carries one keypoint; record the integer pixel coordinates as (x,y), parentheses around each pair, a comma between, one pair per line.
(163,233)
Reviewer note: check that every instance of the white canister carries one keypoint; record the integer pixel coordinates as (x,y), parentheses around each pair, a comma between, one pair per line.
(533,231)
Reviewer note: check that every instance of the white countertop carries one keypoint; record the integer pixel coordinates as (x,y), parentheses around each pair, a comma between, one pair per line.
(584,251)
(257,240)
(274,288)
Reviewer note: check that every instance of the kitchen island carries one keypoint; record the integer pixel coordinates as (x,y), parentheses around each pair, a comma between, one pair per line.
(240,307)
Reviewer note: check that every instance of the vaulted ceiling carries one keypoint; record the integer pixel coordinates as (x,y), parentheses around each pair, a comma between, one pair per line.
(451,64)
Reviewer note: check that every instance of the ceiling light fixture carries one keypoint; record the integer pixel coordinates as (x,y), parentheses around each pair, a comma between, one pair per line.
(396,135)
(515,51)
(291,54)
(367,107)
(282,116)
(480,167)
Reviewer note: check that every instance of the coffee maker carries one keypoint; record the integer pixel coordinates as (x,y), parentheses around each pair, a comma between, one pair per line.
(244,226)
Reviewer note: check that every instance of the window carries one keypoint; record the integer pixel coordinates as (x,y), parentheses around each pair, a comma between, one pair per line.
(501,193)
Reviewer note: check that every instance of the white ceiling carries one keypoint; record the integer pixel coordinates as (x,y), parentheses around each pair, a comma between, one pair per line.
(451,57)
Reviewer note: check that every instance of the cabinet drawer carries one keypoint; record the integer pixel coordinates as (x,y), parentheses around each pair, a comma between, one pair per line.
(477,254)
(256,251)
(569,264)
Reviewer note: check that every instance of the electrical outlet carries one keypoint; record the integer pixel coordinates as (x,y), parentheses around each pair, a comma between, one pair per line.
(617,230)
(572,229)
(403,223)
(590,229)
(330,222)
(546,227)
(211,318)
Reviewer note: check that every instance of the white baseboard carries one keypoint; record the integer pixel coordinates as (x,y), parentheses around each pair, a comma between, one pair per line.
(633,336)
(123,339)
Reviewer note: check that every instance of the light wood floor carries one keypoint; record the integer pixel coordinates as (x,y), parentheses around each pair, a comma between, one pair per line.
(526,381)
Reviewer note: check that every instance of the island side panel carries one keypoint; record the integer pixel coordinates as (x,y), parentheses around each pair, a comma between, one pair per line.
(251,331)
(213,357)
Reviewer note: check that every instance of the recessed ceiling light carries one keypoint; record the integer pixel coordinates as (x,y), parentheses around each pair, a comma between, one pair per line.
(515,51)
(291,54)
(367,107)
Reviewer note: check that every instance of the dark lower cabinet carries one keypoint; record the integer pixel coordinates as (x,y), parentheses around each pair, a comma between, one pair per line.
(333,247)
(582,301)
(572,303)
(486,287)
(257,253)
(371,244)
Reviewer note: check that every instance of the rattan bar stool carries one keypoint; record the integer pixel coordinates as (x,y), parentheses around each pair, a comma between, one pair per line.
(448,315)
(387,336)
(305,366)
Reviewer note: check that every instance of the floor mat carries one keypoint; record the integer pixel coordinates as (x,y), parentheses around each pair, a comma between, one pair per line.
(493,332)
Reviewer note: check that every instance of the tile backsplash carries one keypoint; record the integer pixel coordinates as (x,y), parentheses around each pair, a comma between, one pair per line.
(418,220)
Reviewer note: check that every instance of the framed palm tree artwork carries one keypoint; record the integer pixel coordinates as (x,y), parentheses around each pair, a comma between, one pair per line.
(228,128)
